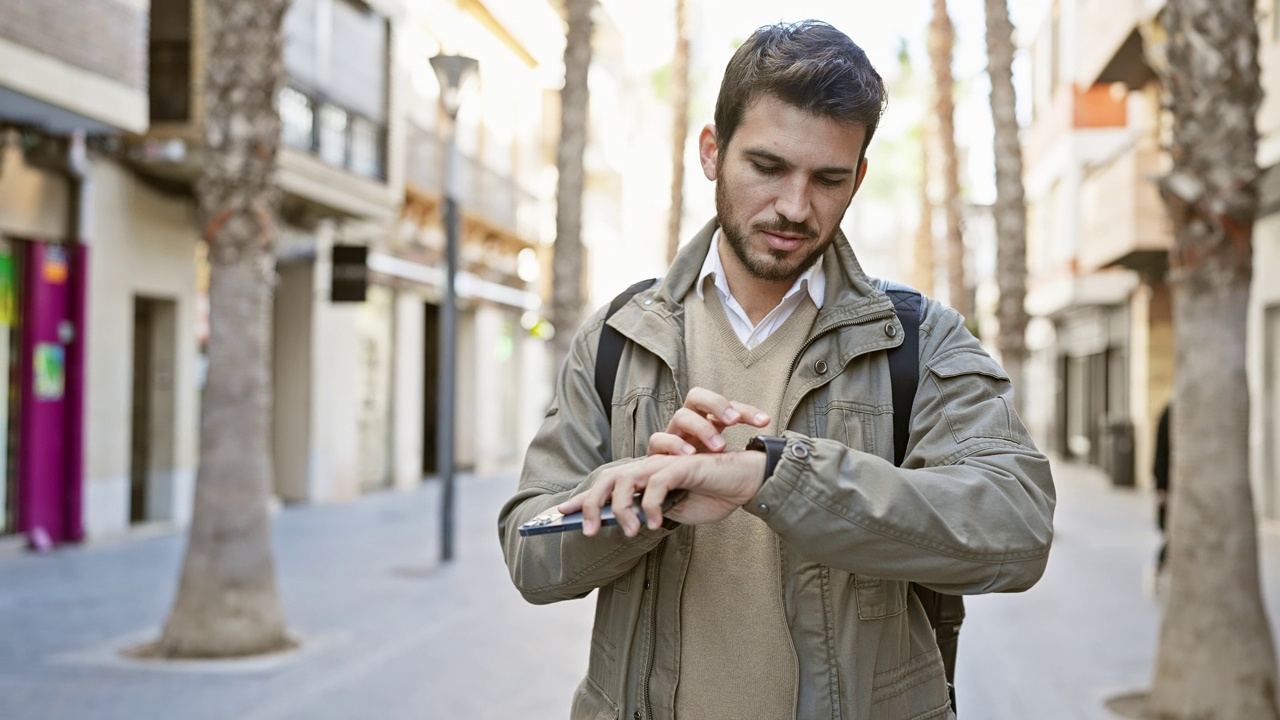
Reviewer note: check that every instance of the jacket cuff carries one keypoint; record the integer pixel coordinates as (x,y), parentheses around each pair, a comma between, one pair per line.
(779,485)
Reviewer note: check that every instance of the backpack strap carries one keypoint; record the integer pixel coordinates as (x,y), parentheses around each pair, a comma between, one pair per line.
(609,351)
(904,365)
(945,612)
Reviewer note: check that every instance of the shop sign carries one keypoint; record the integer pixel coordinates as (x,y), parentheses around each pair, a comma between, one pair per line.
(55,265)
(50,365)
(350,281)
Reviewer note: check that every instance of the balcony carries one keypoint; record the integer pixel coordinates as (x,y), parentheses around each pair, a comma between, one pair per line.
(1124,222)
(484,194)
(1111,46)
(335,134)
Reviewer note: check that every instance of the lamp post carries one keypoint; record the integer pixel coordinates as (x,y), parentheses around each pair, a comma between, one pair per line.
(452,71)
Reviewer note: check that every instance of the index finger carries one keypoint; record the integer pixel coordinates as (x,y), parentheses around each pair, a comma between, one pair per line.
(723,410)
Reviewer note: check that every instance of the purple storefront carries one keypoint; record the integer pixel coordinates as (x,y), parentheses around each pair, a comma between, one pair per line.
(41,465)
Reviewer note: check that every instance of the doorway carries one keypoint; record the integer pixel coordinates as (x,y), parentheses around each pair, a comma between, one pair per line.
(430,387)
(1271,414)
(151,443)
(10,273)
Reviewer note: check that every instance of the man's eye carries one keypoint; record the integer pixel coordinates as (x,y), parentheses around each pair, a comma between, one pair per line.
(830,181)
(766,169)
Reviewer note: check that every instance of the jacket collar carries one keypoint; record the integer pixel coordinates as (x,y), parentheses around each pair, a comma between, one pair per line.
(850,293)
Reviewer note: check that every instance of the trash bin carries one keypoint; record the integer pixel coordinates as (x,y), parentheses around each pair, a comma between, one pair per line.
(1118,451)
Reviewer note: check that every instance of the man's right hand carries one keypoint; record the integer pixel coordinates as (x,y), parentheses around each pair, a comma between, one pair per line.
(696,427)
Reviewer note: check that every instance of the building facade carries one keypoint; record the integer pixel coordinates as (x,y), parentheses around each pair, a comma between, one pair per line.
(1099,240)
(103,304)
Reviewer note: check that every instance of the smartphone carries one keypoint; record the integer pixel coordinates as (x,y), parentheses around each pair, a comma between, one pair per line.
(553,521)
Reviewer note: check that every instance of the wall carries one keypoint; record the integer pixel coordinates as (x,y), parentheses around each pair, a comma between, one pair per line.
(142,244)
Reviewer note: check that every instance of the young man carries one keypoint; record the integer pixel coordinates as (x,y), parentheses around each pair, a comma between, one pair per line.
(779,587)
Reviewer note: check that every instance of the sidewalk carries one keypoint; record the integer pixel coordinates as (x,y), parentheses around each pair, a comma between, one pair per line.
(389,633)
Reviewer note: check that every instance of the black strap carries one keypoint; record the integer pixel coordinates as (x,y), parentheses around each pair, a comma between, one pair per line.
(904,367)
(609,351)
(945,612)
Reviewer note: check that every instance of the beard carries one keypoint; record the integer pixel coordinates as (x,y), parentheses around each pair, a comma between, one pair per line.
(772,265)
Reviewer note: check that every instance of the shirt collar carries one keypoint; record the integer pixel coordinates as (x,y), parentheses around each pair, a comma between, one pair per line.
(813,280)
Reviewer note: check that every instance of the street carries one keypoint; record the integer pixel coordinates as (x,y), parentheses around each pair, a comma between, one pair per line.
(388,632)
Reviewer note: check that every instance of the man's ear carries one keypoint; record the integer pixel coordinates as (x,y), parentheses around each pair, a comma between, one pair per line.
(708,151)
(862,173)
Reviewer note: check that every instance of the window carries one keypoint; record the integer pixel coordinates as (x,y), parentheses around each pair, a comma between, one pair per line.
(333,134)
(297,118)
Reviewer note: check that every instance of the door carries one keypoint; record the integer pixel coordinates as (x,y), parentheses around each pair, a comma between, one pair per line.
(9,275)
(430,387)
(45,495)
(1271,414)
(152,420)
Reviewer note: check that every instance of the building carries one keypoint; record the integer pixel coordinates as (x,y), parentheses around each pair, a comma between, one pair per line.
(103,282)
(1098,243)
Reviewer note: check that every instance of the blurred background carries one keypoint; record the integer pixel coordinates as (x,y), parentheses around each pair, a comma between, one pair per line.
(104,290)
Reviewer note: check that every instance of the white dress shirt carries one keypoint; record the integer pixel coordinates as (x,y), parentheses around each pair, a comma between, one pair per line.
(812,281)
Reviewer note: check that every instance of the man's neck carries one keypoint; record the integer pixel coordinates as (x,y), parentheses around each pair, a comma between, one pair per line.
(756,296)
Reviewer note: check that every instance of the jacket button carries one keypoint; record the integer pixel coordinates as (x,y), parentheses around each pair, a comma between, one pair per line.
(820,366)
(647,583)
(799,451)
(890,329)
(763,508)
(636,715)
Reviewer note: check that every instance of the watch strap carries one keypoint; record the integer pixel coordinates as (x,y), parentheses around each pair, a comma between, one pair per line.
(772,447)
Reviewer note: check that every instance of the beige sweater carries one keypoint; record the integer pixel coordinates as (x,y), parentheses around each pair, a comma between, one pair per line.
(736,657)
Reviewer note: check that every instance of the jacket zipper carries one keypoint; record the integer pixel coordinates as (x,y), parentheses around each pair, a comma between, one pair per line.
(653,625)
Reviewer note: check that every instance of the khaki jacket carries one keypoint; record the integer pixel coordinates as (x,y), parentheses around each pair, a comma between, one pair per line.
(970,511)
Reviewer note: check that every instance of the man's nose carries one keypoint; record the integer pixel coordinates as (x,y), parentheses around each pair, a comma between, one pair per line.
(793,200)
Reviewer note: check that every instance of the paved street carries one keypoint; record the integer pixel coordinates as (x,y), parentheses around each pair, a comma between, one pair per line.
(389,633)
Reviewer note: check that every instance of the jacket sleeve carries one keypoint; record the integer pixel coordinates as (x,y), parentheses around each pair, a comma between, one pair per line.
(566,455)
(971,509)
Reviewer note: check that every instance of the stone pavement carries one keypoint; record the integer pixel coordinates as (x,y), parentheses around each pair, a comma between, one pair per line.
(388,632)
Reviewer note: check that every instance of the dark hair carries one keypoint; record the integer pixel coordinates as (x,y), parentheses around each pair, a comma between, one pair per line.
(808,64)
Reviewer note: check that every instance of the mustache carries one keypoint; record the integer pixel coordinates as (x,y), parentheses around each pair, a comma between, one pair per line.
(782,225)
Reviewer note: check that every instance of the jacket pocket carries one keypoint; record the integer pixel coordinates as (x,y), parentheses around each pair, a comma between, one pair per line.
(878,599)
(591,703)
(850,423)
(635,419)
(975,396)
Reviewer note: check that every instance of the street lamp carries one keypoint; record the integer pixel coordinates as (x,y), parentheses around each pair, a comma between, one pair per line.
(452,71)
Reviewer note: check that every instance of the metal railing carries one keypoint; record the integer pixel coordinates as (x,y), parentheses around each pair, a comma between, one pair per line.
(332,132)
(492,195)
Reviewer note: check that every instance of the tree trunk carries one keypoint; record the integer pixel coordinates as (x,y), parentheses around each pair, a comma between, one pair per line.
(1215,656)
(679,127)
(923,257)
(227,603)
(942,39)
(1010,208)
(566,294)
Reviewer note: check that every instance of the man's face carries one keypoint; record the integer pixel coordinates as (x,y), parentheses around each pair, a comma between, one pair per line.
(783,186)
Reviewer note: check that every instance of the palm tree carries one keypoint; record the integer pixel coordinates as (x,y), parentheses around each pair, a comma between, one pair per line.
(679,127)
(942,40)
(566,294)
(1010,207)
(923,257)
(227,603)
(1215,656)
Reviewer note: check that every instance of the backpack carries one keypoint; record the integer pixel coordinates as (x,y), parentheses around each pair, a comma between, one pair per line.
(945,612)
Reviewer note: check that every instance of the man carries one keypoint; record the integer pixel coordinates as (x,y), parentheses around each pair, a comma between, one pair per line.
(778,587)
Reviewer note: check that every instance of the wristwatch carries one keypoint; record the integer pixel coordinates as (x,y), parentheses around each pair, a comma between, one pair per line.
(772,447)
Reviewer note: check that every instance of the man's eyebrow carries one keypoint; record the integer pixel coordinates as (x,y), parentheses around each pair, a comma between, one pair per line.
(765,155)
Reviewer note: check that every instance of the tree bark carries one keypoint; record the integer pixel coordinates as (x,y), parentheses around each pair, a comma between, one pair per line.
(1215,657)
(227,603)
(1010,207)
(679,127)
(923,257)
(567,295)
(942,39)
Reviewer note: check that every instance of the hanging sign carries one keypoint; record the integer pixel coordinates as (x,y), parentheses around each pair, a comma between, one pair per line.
(350,280)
